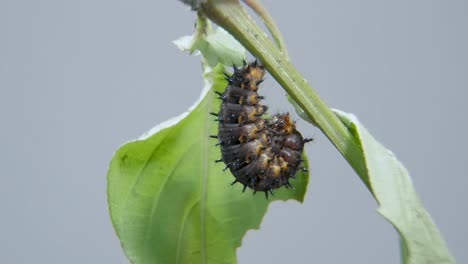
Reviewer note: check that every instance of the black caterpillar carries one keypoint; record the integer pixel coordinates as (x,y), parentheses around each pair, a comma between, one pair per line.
(262,154)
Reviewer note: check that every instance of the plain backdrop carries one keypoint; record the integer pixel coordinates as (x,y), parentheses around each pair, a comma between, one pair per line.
(79,78)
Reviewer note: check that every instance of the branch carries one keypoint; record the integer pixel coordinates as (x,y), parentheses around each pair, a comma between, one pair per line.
(230,15)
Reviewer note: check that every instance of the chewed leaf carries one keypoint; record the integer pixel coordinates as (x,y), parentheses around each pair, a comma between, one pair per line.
(222,47)
(399,203)
(170,203)
(186,43)
(215,45)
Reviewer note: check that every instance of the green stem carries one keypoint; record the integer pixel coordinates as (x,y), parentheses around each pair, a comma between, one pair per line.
(269,23)
(230,15)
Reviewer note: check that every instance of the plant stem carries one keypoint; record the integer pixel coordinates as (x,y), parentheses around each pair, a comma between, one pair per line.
(269,23)
(230,15)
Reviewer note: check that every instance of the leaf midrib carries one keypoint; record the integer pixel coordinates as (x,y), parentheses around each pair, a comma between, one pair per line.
(204,193)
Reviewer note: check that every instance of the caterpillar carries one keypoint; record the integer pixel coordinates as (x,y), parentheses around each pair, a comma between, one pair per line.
(262,154)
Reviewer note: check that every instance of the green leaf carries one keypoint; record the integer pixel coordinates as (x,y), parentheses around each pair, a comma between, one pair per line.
(399,203)
(170,203)
(215,45)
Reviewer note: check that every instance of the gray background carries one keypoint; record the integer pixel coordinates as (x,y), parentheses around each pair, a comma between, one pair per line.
(79,78)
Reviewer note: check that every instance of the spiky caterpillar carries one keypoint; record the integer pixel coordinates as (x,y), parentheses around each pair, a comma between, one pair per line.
(262,154)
